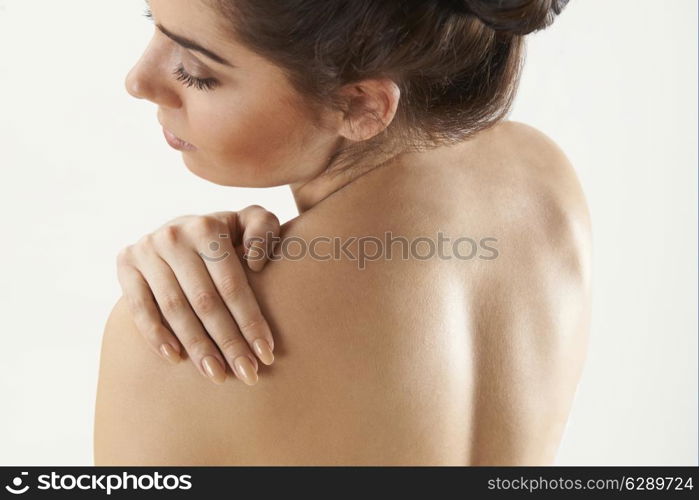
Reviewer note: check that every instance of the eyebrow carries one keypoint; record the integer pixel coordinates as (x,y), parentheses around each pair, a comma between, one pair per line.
(191,45)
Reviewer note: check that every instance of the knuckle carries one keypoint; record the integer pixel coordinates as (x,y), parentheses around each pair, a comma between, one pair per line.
(267,230)
(226,213)
(180,219)
(172,304)
(231,286)
(265,227)
(199,344)
(232,347)
(251,325)
(124,256)
(271,220)
(145,242)
(204,302)
(152,331)
(136,303)
(205,226)
(169,234)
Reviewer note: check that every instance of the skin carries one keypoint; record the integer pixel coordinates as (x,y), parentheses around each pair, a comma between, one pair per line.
(183,299)
(433,362)
(251,129)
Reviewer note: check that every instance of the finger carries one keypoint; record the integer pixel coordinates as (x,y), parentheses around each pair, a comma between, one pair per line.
(260,234)
(230,221)
(228,275)
(233,287)
(178,312)
(260,231)
(146,316)
(255,253)
(200,290)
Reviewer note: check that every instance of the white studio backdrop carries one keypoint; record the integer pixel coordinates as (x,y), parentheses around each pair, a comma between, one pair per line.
(85,171)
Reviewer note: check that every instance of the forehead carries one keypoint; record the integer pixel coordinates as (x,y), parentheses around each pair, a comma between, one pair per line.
(199,21)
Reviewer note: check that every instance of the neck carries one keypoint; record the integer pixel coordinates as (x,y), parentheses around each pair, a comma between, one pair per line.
(308,194)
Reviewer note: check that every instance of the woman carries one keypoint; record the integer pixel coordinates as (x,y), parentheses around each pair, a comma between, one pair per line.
(384,117)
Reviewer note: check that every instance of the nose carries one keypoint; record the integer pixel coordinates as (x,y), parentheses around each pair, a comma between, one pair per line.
(145,81)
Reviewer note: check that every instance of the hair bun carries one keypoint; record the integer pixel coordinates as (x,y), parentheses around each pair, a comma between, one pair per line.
(519,17)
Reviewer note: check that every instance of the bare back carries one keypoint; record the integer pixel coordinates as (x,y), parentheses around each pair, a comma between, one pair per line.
(418,361)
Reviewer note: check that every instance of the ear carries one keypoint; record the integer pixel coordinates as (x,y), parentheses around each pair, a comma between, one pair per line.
(372,105)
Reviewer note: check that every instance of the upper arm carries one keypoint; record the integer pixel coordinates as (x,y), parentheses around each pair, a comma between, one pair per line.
(126,365)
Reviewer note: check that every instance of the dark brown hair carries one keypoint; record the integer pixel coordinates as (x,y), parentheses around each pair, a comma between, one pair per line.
(457,62)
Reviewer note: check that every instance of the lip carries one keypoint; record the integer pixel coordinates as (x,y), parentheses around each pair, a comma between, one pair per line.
(177,143)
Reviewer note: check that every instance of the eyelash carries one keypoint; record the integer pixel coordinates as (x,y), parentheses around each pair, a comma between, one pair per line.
(192,81)
(181,74)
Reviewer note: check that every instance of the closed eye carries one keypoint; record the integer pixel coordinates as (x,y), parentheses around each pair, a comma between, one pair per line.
(192,81)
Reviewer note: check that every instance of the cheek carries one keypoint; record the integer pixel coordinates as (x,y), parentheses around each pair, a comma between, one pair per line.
(244,125)
(248,142)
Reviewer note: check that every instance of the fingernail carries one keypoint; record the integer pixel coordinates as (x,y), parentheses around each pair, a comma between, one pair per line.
(245,370)
(168,352)
(263,351)
(213,369)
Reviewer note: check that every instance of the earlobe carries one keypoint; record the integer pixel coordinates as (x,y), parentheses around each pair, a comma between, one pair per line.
(372,107)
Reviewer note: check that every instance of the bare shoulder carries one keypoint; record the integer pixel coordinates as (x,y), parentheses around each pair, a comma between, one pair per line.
(550,174)
(532,306)
(361,344)
(559,234)
(511,182)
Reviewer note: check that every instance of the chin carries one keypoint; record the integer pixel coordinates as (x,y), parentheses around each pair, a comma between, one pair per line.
(230,177)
